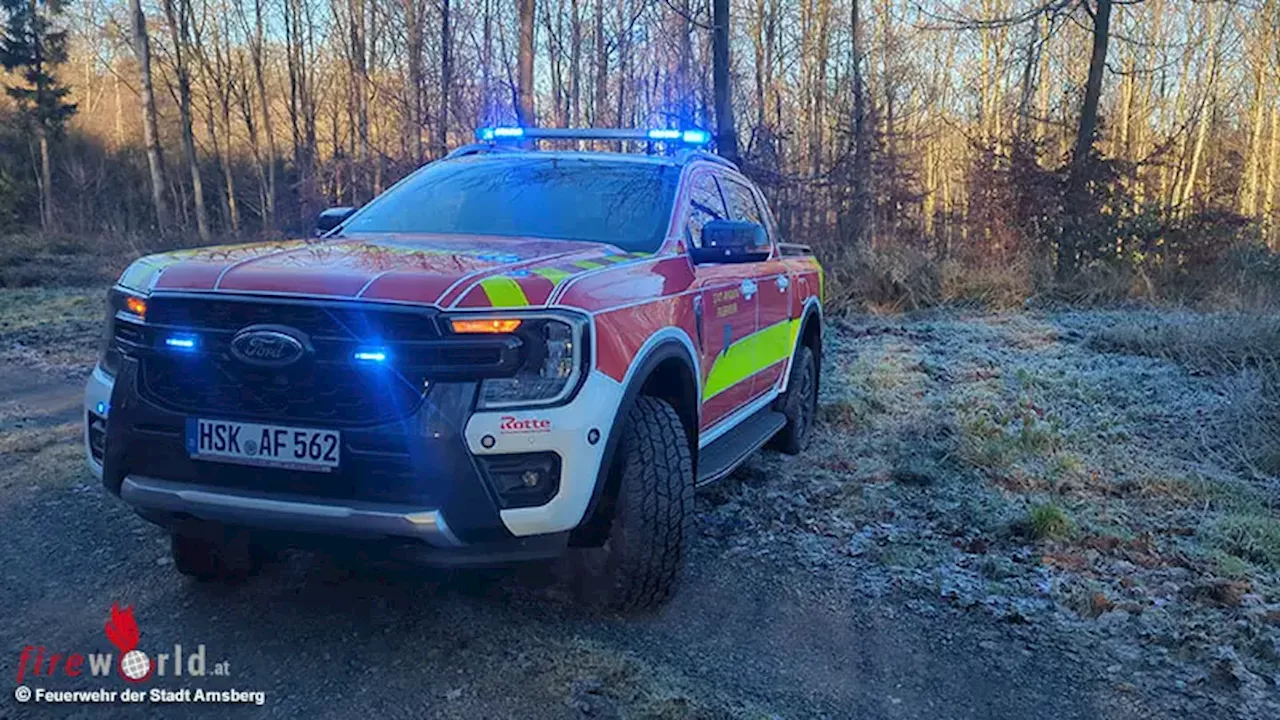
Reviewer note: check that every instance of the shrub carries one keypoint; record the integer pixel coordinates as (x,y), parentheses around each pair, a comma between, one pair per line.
(1048,522)
(1254,537)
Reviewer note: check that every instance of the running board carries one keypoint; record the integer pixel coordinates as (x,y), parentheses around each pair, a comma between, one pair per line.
(731,449)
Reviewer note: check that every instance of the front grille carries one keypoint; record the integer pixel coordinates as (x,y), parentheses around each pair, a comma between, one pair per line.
(331,394)
(327,386)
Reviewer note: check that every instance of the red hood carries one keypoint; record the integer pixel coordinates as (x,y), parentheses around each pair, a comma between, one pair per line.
(429,269)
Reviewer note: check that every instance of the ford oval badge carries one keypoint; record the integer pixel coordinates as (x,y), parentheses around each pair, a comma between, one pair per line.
(268,348)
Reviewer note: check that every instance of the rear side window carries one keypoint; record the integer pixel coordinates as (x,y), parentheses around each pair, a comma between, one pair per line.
(705,205)
(742,201)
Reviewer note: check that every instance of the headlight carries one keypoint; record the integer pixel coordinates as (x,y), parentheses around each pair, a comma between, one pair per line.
(117,302)
(551,367)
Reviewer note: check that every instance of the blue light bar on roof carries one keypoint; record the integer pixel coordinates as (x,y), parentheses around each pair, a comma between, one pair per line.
(668,135)
(664,134)
(696,137)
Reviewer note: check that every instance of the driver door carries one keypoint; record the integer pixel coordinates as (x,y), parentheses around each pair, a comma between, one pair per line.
(724,309)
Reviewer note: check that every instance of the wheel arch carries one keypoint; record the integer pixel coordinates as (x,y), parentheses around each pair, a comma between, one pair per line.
(667,370)
(810,333)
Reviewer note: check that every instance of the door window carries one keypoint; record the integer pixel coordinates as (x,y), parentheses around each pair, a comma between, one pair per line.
(705,205)
(742,202)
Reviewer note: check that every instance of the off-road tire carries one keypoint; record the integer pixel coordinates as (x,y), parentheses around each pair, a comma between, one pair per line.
(639,565)
(206,558)
(799,404)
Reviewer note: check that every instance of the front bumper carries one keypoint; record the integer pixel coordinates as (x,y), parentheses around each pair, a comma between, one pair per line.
(437,502)
(297,513)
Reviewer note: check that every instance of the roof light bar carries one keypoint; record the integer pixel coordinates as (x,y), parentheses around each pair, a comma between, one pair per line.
(674,135)
(695,137)
(664,134)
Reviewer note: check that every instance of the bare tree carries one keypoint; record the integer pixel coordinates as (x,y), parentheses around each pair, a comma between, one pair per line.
(524,73)
(179,20)
(726,135)
(147,97)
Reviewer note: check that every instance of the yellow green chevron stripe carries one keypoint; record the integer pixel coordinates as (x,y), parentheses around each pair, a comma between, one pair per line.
(587,264)
(552,274)
(750,355)
(504,292)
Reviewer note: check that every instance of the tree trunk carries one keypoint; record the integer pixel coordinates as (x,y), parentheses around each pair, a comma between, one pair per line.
(413,21)
(860,182)
(602,69)
(150,133)
(446,77)
(179,32)
(1272,189)
(524,67)
(1069,244)
(726,135)
(257,49)
(46,180)
(575,63)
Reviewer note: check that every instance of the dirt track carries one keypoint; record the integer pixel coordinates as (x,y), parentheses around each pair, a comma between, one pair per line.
(774,620)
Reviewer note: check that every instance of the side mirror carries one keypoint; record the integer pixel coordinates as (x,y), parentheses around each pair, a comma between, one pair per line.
(731,241)
(331,218)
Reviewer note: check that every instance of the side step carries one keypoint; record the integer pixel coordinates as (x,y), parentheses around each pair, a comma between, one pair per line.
(730,450)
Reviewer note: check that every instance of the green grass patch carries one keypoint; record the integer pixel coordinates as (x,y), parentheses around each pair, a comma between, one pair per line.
(1049,522)
(1252,537)
(995,437)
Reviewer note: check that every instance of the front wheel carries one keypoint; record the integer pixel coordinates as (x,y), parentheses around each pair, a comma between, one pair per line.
(640,562)
(799,404)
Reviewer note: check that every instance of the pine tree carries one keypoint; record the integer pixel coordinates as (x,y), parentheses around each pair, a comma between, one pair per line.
(32,47)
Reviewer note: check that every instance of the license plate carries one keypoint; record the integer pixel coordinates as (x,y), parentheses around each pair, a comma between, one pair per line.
(264,445)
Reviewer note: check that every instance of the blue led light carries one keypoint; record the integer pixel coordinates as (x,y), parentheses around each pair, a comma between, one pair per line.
(696,137)
(664,134)
(181,342)
(102,408)
(484,134)
(371,355)
(508,132)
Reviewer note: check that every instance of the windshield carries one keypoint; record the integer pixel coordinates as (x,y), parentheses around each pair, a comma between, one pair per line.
(624,203)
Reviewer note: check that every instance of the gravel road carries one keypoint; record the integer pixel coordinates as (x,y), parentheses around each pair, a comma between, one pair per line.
(742,639)
(789,609)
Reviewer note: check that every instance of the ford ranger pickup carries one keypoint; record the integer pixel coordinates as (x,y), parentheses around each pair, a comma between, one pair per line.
(513,354)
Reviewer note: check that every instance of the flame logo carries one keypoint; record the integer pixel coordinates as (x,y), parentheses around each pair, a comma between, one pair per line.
(122,629)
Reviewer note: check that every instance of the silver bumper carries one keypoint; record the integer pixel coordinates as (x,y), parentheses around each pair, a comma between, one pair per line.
(288,512)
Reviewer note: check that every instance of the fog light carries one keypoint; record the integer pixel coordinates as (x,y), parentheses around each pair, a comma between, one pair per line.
(97,435)
(522,480)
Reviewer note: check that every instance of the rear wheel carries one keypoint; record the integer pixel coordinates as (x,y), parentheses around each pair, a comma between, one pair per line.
(206,557)
(799,404)
(639,564)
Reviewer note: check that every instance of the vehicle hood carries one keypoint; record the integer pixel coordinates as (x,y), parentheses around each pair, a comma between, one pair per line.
(444,270)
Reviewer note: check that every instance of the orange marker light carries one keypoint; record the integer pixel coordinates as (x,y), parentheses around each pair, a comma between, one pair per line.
(488,326)
(137,306)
